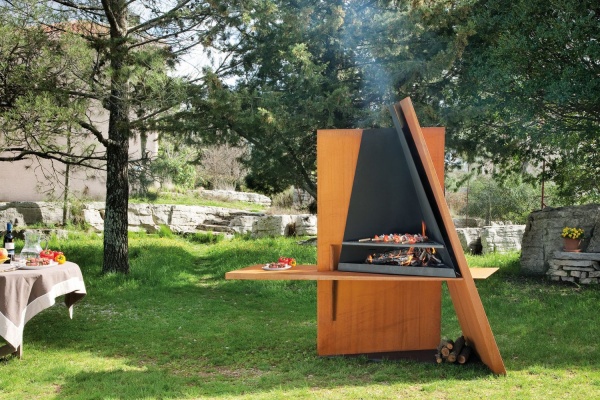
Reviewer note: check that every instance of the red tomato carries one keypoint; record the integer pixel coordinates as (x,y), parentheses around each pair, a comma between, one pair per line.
(56,254)
(47,254)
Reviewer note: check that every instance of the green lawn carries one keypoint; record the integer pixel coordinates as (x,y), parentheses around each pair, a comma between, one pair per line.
(175,329)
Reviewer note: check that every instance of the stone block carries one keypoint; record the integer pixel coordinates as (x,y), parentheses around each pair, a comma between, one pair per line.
(567,279)
(594,274)
(576,263)
(501,238)
(306,225)
(560,273)
(470,239)
(589,281)
(243,224)
(564,255)
(271,225)
(579,274)
(567,268)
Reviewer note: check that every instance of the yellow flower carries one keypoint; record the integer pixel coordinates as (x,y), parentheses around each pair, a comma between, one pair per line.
(572,233)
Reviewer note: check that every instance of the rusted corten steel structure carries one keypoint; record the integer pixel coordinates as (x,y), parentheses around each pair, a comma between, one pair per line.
(372,182)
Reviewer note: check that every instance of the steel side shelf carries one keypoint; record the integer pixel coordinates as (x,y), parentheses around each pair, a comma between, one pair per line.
(310,273)
(440,271)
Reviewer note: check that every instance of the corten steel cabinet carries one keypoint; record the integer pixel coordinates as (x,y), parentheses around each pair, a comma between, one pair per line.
(366,313)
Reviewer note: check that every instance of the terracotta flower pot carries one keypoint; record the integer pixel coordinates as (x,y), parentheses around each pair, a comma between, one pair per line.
(571,245)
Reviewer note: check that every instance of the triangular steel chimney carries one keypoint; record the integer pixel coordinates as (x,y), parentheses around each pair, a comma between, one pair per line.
(391,194)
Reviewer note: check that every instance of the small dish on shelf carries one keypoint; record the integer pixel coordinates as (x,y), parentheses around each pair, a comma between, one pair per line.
(276,267)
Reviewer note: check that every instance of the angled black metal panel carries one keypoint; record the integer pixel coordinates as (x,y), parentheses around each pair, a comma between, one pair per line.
(423,188)
(387,197)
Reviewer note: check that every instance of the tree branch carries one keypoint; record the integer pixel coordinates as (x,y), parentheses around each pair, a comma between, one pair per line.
(75,6)
(65,158)
(155,39)
(112,20)
(94,131)
(151,23)
(146,117)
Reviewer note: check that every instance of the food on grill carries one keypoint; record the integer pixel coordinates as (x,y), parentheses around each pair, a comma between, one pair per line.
(405,238)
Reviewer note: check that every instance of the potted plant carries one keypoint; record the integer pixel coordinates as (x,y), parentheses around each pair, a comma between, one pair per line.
(572,239)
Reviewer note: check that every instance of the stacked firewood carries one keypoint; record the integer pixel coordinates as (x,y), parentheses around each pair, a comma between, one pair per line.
(414,257)
(457,351)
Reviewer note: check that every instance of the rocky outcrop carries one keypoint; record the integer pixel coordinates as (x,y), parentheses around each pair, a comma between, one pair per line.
(231,195)
(470,239)
(491,239)
(179,218)
(543,229)
(285,225)
(31,213)
(501,238)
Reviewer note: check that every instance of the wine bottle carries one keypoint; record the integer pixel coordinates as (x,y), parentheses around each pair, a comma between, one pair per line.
(9,242)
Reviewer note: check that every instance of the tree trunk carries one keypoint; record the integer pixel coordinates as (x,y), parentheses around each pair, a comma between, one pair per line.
(116,249)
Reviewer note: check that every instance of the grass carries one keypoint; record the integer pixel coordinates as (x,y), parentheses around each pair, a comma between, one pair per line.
(175,329)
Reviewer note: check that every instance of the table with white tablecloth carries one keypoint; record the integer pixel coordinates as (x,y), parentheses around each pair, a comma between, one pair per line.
(26,292)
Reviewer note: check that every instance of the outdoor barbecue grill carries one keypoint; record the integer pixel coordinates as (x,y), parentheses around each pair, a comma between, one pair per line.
(388,195)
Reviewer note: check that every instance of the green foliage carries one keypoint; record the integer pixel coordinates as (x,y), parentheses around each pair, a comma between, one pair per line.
(164,232)
(303,66)
(37,111)
(205,238)
(76,213)
(507,200)
(285,199)
(526,88)
(67,63)
(174,164)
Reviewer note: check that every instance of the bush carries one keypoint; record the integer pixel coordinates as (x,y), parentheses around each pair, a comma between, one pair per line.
(509,200)
(205,238)
(165,232)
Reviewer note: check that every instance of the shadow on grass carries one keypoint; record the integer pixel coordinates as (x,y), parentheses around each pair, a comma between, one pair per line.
(183,331)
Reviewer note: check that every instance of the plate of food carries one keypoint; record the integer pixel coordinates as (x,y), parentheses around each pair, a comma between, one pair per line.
(278,266)
(38,263)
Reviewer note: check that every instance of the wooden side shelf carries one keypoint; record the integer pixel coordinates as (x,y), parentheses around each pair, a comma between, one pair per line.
(310,273)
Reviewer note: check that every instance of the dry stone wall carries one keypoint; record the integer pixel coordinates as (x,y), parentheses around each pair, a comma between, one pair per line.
(583,268)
